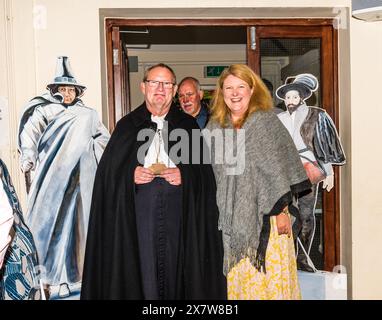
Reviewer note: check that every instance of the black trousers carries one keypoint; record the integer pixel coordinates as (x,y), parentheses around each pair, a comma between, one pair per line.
(306,205)
(158,207)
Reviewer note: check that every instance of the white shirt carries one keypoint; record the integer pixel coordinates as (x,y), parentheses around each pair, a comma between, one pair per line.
(156,152)
(292,123)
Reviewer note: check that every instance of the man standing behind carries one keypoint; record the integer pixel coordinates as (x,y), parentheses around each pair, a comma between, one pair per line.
(153,230)
(190,98)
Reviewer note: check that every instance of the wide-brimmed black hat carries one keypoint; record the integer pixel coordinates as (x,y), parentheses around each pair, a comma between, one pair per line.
(64,75)
(304,83)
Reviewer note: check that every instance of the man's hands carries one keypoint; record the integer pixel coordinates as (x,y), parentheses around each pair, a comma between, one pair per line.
(144,175)
(172,176)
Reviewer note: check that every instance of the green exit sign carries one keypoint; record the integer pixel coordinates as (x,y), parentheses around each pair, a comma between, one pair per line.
(213,71)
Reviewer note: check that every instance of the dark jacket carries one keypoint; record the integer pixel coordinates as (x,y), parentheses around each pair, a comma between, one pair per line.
(203,116)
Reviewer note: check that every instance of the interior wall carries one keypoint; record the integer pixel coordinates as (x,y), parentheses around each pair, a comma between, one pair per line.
(4,103)
(366,115)
(17,77)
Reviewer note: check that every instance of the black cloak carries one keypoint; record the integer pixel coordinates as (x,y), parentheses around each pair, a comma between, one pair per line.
(112,267)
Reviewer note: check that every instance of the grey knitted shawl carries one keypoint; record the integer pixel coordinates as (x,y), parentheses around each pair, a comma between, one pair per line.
(272,174)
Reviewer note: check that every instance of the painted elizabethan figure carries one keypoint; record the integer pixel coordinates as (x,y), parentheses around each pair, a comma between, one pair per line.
(60,142)
(319,147)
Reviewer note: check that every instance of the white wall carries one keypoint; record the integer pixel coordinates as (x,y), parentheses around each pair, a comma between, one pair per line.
(366,115)
(17,75)
(27,61)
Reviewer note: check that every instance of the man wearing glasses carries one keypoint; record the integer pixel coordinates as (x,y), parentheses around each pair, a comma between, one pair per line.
(153,228)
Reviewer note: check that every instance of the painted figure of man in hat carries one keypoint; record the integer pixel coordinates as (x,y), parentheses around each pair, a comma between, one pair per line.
(318,144)
(60,142)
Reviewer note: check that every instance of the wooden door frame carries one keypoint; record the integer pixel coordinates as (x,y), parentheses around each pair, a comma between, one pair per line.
(116,23)
(329,80)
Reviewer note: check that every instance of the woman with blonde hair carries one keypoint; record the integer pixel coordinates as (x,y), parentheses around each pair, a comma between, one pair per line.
(255,202)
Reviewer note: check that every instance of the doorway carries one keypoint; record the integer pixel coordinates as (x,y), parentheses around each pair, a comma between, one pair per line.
(200,52)
(274,48)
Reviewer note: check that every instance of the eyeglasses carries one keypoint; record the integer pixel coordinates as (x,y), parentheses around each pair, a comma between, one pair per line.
(155,84)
